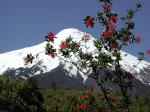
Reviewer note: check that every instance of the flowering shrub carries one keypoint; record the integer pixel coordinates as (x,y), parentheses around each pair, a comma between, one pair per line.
(86,102)
(106,56)
(108,52)
(28,59)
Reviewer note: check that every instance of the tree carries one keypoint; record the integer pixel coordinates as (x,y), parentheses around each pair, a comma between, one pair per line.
(107,54)
(20,96)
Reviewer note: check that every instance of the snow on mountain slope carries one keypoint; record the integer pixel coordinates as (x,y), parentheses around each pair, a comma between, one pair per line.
(141,70)
(14,59)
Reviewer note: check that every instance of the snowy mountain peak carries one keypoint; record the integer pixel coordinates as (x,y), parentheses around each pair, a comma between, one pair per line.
(13,61)
(68,31)
(74,33)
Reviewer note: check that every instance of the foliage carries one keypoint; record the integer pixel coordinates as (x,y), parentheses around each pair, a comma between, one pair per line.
(20,96)
(62,100)
(106,56)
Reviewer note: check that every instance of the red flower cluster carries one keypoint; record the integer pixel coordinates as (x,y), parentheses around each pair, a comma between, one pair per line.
(114,101)
(64,45)
(26,61)
(148,51)
(81,106)
(82,97)
(53,54)
(138,39)
(88,94)
(111,25)
(89,21)
(50,50)
(106,33)
(51,36)
(106,7)
(113,46)
(113,18)
(130,75)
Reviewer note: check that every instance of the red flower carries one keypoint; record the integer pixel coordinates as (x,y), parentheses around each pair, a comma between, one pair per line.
(138,39)
(88,94)
(51,35)
(113,46)
(53,54)
(130,75)
(111,25)
(26,61)
(89,21)
(114,101)
(81,106)
(113,18)
(64,45)
(106,7)
(82,97)
(106,33)
(148,51)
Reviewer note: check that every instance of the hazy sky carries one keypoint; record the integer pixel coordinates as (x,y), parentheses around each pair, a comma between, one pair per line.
(25,22)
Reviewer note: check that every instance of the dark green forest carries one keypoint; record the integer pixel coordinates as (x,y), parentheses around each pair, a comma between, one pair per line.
(17,95)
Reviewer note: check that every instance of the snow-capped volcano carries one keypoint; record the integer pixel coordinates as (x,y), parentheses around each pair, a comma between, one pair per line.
(12,63)
(14,59)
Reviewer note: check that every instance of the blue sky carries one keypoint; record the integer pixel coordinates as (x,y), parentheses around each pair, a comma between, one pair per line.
(25,22)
